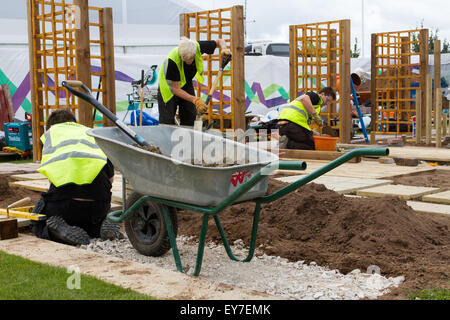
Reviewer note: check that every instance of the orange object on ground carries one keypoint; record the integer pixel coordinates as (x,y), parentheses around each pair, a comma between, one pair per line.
(323,143)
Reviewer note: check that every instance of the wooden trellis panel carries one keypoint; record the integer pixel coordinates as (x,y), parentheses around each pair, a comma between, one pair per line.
(59,47)
(399,70)
(227,24)
(319,55)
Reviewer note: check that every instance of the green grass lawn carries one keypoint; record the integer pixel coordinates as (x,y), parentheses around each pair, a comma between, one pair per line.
(431,294)
(22,279)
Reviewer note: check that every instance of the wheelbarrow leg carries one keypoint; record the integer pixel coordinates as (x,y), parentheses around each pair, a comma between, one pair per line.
(173,240)
(252,240)
(201,245)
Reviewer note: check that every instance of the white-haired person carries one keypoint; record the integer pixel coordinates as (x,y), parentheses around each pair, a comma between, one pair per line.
(175,89)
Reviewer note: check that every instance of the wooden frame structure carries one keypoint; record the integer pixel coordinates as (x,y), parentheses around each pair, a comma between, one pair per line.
(399,82)
(319,54)
(60,49)
(227,24)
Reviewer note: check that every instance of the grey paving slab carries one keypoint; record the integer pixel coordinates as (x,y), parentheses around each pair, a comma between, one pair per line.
(343,185)
(442,197)
(429,207)
(401,191)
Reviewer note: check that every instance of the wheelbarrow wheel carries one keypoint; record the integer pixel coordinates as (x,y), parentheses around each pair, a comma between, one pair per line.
(146,228)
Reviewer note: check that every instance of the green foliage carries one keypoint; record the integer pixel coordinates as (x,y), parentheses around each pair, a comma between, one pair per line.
(432,37)
(355,52)
(22,279)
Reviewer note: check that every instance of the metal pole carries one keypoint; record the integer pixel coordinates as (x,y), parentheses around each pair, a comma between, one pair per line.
(362,22)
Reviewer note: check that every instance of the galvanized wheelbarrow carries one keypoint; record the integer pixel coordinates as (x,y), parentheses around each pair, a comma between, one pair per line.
(165,182)
(162,185)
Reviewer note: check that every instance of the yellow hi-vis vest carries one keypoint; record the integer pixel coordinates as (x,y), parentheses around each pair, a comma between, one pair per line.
(70,155)
(297,113)
(165,86)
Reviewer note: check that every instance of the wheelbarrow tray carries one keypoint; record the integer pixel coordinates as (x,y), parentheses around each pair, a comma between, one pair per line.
(165,177)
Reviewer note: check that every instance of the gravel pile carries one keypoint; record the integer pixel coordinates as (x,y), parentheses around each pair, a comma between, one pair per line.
(268,274)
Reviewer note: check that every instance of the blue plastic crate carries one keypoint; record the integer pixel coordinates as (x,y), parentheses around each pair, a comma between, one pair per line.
(19,135)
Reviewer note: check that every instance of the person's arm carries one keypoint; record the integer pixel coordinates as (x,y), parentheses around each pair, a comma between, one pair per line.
(221,44)
(176,89)
(306,101)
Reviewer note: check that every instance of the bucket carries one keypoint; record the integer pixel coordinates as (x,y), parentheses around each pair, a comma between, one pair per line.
(324,143)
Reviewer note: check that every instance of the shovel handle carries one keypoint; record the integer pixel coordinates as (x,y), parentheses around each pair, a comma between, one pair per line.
(74,83)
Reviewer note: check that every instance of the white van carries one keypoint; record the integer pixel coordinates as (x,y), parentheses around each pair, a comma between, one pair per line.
(267,48)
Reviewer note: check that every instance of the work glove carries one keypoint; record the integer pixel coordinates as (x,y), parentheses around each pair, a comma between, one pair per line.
(200,105)
(225,51)
(317,120)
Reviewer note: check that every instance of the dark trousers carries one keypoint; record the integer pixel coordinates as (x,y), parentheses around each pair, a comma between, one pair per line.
(187,110)
(87,215)
(298,137)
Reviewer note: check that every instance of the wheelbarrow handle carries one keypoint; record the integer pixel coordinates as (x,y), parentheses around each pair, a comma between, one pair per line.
(89,98)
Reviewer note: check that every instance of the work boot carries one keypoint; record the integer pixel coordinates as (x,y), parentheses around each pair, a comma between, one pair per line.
(59,229)
(283,142)
(110,230)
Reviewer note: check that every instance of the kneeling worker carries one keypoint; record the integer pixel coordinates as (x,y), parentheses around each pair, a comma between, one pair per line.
(294,119)
(79,197)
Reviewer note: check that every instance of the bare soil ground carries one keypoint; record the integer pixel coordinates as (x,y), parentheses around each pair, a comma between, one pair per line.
(316,224)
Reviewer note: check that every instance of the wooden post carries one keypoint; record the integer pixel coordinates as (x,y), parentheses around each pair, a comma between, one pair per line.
(373,90)
(438,92)
(404,105)
(424,39)
(238,83)
(293,59)
(345,90)
(83,60)
(419,116)
(333,64)
(35,80)
(429,110)
(444,125)
(109,77)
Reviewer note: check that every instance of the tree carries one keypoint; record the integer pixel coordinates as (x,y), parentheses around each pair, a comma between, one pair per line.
(355,53)
(433,36)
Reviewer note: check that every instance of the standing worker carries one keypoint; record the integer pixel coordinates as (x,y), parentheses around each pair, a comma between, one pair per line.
(79,197)
(294,119)
(175,80)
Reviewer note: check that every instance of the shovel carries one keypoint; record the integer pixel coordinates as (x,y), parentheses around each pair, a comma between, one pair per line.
(226,58)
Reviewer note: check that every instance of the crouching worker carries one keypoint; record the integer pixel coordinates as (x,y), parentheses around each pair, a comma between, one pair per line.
(81,179)
(294,119)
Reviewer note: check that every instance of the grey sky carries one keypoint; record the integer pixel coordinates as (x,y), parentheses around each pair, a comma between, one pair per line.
(270,20)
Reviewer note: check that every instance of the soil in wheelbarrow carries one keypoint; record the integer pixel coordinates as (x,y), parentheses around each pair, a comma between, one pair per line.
(224,163)
(320,225)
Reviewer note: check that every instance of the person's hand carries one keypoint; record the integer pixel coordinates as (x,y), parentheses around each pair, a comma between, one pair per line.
(225,51)
(200,105)
(317,120)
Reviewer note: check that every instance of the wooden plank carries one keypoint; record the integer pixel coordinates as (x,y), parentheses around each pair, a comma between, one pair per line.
(373,89)
(429,110)
(313,155)
(238,81)
(109,77)
(34,45)
(293,63)
(83,60)
(423,69)
(345,90)
(419,116)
